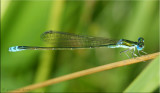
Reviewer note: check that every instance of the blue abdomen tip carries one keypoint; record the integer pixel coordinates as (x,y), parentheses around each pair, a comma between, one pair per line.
(14,49)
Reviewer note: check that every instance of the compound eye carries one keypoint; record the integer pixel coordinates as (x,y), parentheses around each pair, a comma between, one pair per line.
(139,47)
(140,39)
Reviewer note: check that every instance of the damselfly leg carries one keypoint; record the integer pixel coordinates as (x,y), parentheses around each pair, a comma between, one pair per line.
(130,50)
(139,53)
(125,51)
(133,54)
(142,52)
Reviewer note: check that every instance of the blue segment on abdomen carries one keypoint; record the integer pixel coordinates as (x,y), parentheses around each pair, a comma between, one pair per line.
(15,49)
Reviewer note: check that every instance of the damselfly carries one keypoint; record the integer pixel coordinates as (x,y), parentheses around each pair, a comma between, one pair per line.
(68,41)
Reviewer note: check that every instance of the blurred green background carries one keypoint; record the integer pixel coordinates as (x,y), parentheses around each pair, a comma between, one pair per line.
(22,23)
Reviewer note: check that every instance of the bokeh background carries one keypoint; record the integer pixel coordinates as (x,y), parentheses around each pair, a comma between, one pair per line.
(22,23)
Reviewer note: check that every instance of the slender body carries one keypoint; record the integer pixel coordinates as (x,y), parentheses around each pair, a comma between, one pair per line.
(68,41)
(119,44)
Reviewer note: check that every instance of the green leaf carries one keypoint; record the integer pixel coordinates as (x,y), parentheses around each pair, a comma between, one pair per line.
(148,80)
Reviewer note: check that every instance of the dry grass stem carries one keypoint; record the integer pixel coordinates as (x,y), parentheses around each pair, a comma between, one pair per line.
(86,72)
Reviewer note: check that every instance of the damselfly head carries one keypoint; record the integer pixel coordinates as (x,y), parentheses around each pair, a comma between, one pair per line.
(140,44)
